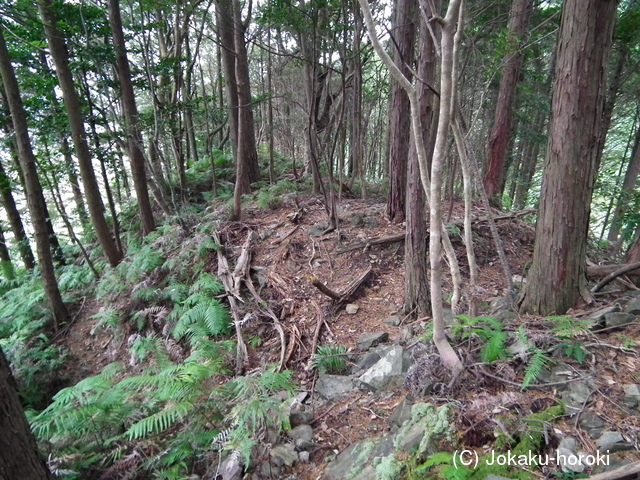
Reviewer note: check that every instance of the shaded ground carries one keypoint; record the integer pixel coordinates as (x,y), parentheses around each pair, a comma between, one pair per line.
(292,251)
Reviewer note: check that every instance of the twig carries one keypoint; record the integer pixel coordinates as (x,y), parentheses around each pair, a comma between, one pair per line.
(316,335)
(278,241)
(538,385)
(326,290)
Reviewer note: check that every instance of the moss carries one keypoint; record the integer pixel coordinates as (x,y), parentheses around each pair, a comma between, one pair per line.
(361,452)
(388,468)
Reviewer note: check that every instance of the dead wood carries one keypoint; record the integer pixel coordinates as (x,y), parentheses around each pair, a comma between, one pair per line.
(399,237)
(621,472)
(316,334)
(344,297)
(226,277)
(613,275)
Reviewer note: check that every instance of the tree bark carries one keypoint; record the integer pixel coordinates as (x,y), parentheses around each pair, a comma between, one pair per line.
(416,251)
(19,456)
(35,198)
(404,33)
(557,275)
(500,134)
(58,51)
(15,221)
(6,264)
(130,110)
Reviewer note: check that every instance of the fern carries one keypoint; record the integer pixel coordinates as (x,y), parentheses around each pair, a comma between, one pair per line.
(330,359)
(534,369)
(159,421)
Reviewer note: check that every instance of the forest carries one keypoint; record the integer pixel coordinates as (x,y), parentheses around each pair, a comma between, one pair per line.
(319,239)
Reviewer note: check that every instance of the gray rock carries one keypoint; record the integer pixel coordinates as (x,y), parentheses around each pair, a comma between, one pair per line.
(284,455)
(506,316)
(304,457)
(590,421)
(560,373)
(317,230)
(619,319)
(301,432)
(408,333)
(365,361)
(411,438)
(385,446)
(370,222)
(518,348)
(350,461)
(613,464)
(568,443)
(300,417)
(367,473)
(402,412)
(368,340)
(393,321)
(231,467)
(352,308)
(266,469)
(334,387)
(569,460)
(357,220)
(612,442)
(633,306)
(579,392)
(597,317)
(388,371)
(632,390)
(630,402)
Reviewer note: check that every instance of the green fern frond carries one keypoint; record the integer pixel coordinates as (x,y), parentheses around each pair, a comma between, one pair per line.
(207,283)
(537,363)
(495,347)
(159,421)
(438,458)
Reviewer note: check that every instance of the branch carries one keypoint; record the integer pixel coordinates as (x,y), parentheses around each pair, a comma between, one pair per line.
(612,276)
(621,472)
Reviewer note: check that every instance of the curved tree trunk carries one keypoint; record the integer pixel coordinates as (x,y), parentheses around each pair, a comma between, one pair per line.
(557,275)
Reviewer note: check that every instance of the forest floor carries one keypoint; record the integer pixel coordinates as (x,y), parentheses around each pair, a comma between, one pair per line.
(291,251)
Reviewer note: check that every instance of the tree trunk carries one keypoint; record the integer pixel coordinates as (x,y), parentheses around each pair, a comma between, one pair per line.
(501,132)
(59,54)
(73,181)
(628,186)
(557,275)
(404,33)
(130,110)
(15,221)
(5,259)
(416,251)
(19,456)
(35,199)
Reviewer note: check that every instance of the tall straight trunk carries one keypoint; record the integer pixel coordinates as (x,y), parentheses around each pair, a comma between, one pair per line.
(501,132)
(404,33)
(557,276)
(60,56)
(130,110)
(247,169)
(226,36)
(81,211)
(33,190)
(628,186)
(15,220)
(416,252)
(6,265)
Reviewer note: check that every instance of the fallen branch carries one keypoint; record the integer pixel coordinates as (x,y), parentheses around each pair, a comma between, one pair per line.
(316,335)
(603,270)
(344,297)
(399,237)
(613,275)
(621,472)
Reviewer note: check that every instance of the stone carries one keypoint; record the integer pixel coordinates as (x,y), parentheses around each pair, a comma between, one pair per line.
(506,316)
(633,306)
(388,371)
(304,457)
(300,417)
(618,319)
(411,438)
(365,361)
(334,387)
(612,442)
(368,340)
(317,230)
(402,412)
(569,461)
(597,317)
(357,220)
(231,468)
(568,443)
(284,455)
(350,461)
(301,432)
(590,421)
(393,321)
(612,464)
(630,402)
(352,308)
(632,390)
(560,373)
(579,392)
(408,333)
